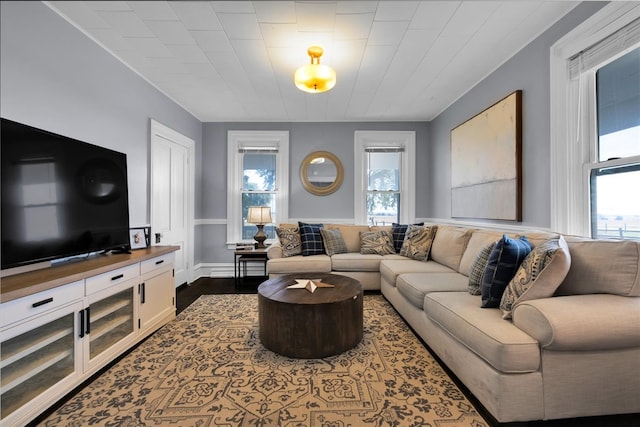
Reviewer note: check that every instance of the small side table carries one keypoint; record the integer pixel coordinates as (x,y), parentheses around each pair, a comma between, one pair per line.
(244,256)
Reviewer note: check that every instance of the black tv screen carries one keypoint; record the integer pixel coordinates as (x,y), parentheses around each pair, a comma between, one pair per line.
(60,197)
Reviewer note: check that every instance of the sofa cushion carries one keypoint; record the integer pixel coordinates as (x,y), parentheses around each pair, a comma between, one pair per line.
(398,231)
(501,344)
(586,275)
(311,239)
(290,241)
(418,241)
(376,242)
(503,262)
(390,268)
(350,234)
(539,275)
(300,264)
(478,240)
(333,241)
(353,261)
(477,269)
(414,286)
(449,245)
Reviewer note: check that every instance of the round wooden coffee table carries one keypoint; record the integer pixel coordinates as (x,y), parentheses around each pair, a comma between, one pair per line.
(301,324)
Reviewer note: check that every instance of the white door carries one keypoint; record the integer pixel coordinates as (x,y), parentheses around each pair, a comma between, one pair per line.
(172,196)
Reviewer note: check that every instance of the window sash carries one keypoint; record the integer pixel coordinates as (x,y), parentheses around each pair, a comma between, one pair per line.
(374,184)
(624,227)
(271,164)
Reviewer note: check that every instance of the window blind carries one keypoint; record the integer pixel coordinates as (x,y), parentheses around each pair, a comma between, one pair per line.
(398,149)
(258,150)
(595,55)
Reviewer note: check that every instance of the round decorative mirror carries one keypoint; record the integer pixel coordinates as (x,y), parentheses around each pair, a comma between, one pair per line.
(321,173)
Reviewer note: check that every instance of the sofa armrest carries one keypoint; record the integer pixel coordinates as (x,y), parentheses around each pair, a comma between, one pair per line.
(275,250)
(581,322)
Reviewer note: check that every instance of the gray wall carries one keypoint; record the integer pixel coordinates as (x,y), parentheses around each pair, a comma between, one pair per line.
(527,70)
(55,78)
(304,138)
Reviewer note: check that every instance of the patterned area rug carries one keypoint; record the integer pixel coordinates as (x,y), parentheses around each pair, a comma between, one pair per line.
(208,368)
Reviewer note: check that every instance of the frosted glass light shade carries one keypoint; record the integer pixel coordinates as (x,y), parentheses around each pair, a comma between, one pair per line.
(314,77)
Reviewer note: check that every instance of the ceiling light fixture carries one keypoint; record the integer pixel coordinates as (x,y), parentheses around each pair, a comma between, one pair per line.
(315,78)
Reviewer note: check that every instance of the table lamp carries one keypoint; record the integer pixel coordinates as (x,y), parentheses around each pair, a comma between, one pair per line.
(259,215)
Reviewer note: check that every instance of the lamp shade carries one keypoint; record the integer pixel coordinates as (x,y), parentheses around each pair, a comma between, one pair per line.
(259,215)
(314,77)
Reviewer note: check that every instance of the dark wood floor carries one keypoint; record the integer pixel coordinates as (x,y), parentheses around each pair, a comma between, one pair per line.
(186,295)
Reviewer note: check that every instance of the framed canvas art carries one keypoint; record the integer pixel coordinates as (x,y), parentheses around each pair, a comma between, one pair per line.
(486,163)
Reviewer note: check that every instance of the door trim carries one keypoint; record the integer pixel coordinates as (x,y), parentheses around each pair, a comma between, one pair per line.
(158,130)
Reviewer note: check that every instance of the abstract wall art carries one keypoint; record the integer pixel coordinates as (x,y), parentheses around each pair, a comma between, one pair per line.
(486,163)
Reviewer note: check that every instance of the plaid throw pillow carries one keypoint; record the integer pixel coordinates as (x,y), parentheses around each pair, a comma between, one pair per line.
(311,239)
(333,241)
(504,261)
(478,267)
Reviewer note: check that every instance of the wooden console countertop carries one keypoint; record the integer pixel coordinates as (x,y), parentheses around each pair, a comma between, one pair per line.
(23,284)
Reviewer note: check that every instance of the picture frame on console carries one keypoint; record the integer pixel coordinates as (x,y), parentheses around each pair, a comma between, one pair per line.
(139,237)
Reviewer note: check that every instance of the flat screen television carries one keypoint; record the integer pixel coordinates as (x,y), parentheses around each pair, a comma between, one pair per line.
(60,197)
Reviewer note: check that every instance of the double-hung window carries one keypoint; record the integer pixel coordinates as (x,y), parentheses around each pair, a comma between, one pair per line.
(384,177)
(595,126)
(258,176)
(615,171)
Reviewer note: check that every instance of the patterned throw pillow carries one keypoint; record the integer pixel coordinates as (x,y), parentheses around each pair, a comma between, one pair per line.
(417,242)
(539,275)
(311,239)
(398,231)
(376,242)
(333,241)
(503,263)
(290,241)
(477,268)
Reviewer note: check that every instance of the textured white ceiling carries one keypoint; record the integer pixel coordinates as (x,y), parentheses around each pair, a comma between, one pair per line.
(234,60)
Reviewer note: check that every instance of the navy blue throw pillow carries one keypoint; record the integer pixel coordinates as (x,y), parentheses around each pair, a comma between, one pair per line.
(311,239)
(503,263)
(398,231)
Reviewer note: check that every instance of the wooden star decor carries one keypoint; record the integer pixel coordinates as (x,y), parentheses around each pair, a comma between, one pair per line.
(310,284)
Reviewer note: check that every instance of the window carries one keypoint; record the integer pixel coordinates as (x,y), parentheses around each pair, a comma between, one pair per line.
(595,126)
(258,176)
(615,173)
(383,184)
(384,177)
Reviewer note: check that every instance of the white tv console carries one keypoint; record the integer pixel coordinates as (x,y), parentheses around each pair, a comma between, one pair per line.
(60,325)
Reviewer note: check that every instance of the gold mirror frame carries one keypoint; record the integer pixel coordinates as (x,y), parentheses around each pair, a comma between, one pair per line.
(314,189)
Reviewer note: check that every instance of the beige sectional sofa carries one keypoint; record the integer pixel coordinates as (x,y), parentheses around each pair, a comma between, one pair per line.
(574,354)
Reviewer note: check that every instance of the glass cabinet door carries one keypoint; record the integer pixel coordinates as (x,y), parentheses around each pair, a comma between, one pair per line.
(36,356)
(110,320)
